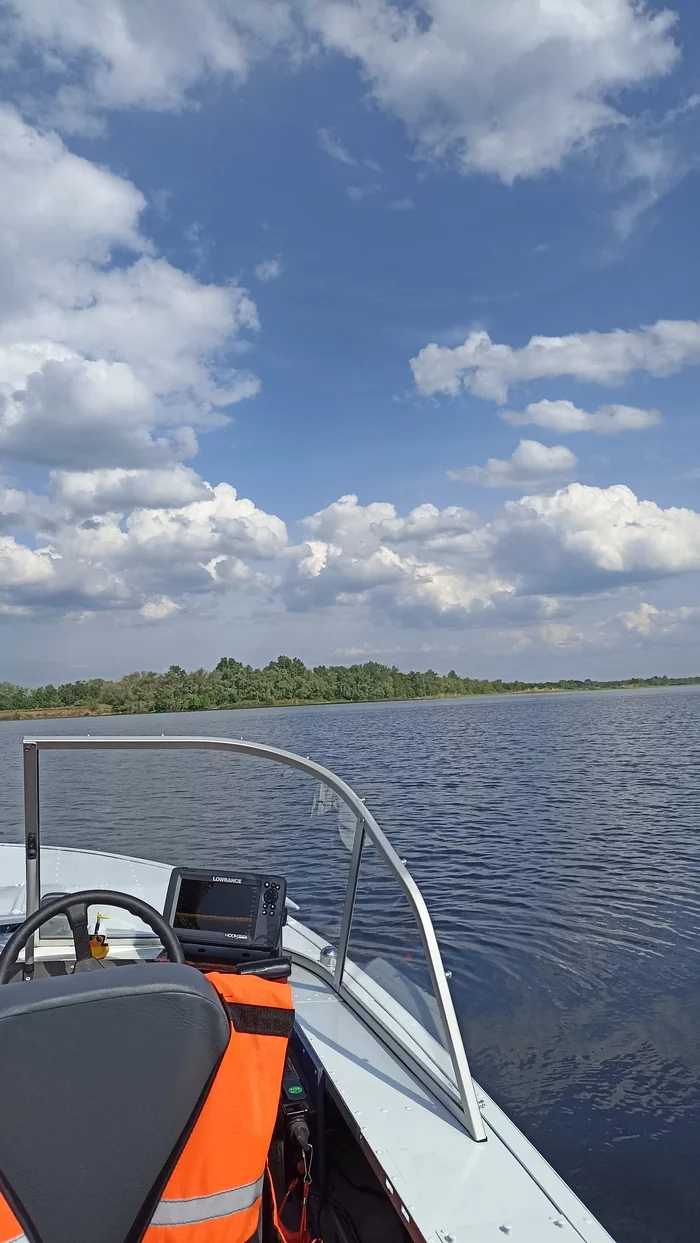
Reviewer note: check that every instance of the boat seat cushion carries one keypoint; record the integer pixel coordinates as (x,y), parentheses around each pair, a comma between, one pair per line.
(100,1075)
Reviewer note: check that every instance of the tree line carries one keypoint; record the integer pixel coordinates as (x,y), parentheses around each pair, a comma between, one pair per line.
(286,680)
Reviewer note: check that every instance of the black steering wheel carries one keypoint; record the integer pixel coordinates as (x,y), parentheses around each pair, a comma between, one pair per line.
(75,907)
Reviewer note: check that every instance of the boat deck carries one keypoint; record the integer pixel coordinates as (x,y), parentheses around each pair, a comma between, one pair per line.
(449,1188)
(446,1187)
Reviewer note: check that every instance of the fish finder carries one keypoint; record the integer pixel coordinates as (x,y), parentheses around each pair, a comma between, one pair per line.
(242,912)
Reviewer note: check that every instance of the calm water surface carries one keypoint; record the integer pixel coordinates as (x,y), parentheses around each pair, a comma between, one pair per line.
(556,841)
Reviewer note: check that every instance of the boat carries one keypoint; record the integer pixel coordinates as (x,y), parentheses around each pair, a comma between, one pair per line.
(381,1131)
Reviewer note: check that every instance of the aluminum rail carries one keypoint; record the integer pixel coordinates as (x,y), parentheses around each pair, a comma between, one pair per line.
(365,824)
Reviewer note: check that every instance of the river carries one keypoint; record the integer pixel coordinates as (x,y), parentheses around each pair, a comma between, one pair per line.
(556,840)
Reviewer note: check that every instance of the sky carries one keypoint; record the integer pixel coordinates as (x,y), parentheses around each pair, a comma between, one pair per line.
(349,329)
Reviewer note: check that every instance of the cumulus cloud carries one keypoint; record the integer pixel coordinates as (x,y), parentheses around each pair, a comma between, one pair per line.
(101,366)
(81,413)
(268,270)
(526,566)
(105,491)
(532,465)
(646,627)
(57,207)
(488,369)
(509,90)
(127,56)
(166,325)
(368,557)
(564,416)
(447,567)
(23,511)
(159,609)
(410,589)
(150,554)
(222,524)
(643,627)
(658,626)
(21,566)
(357,526)
(585,539)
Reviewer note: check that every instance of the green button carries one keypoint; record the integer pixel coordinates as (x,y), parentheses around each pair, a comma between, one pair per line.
(295,1090)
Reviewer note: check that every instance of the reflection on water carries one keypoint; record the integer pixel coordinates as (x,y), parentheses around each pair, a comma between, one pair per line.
(556,841)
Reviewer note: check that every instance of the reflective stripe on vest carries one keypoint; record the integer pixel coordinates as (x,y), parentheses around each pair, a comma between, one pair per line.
(207,1208)
(214,1192)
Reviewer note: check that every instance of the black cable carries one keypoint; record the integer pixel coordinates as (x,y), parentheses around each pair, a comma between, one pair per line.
(370,1191)
(326,1201)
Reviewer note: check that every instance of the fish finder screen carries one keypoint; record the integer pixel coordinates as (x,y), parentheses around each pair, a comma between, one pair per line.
(216,906)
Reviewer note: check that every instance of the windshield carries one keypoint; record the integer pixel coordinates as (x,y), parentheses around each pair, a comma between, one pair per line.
(264,810)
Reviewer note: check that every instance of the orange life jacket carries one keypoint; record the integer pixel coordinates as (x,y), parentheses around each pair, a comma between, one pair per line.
(213,1194)
(10,1229)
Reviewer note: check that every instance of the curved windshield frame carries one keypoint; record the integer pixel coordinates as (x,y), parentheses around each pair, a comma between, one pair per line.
(446,1068)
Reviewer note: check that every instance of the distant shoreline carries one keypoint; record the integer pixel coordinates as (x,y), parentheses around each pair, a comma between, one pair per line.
(50,714)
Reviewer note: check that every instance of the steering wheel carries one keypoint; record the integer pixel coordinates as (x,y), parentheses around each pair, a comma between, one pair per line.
(75,907)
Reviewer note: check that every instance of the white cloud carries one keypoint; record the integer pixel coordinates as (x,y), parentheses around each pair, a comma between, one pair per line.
(510,89)
(350,559)
(411,589)
(126,55)
(101,366)
(23,511)
(57,207)
(681,625)
(105,491)
(586,539)
(356,526)
(525,565)
(269,270)
(136,562)
(159,609)
(222,524)
(644,628)
(532,465)
(332,146)
(21,566)
(579,541)
(565,417)
(166,325)
(81,413)
(531,565)
(488,369)
(402,205)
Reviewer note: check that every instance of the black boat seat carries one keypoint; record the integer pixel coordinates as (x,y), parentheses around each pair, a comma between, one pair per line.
(100,1075)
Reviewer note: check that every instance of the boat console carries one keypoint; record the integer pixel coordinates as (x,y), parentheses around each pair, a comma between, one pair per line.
(223,917)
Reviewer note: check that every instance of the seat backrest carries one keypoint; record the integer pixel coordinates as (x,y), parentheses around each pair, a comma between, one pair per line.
(100,1075)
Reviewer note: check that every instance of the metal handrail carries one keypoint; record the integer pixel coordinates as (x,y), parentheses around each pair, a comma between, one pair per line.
(365,824)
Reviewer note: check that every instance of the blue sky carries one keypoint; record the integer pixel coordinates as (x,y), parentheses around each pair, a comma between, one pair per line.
(300,249)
